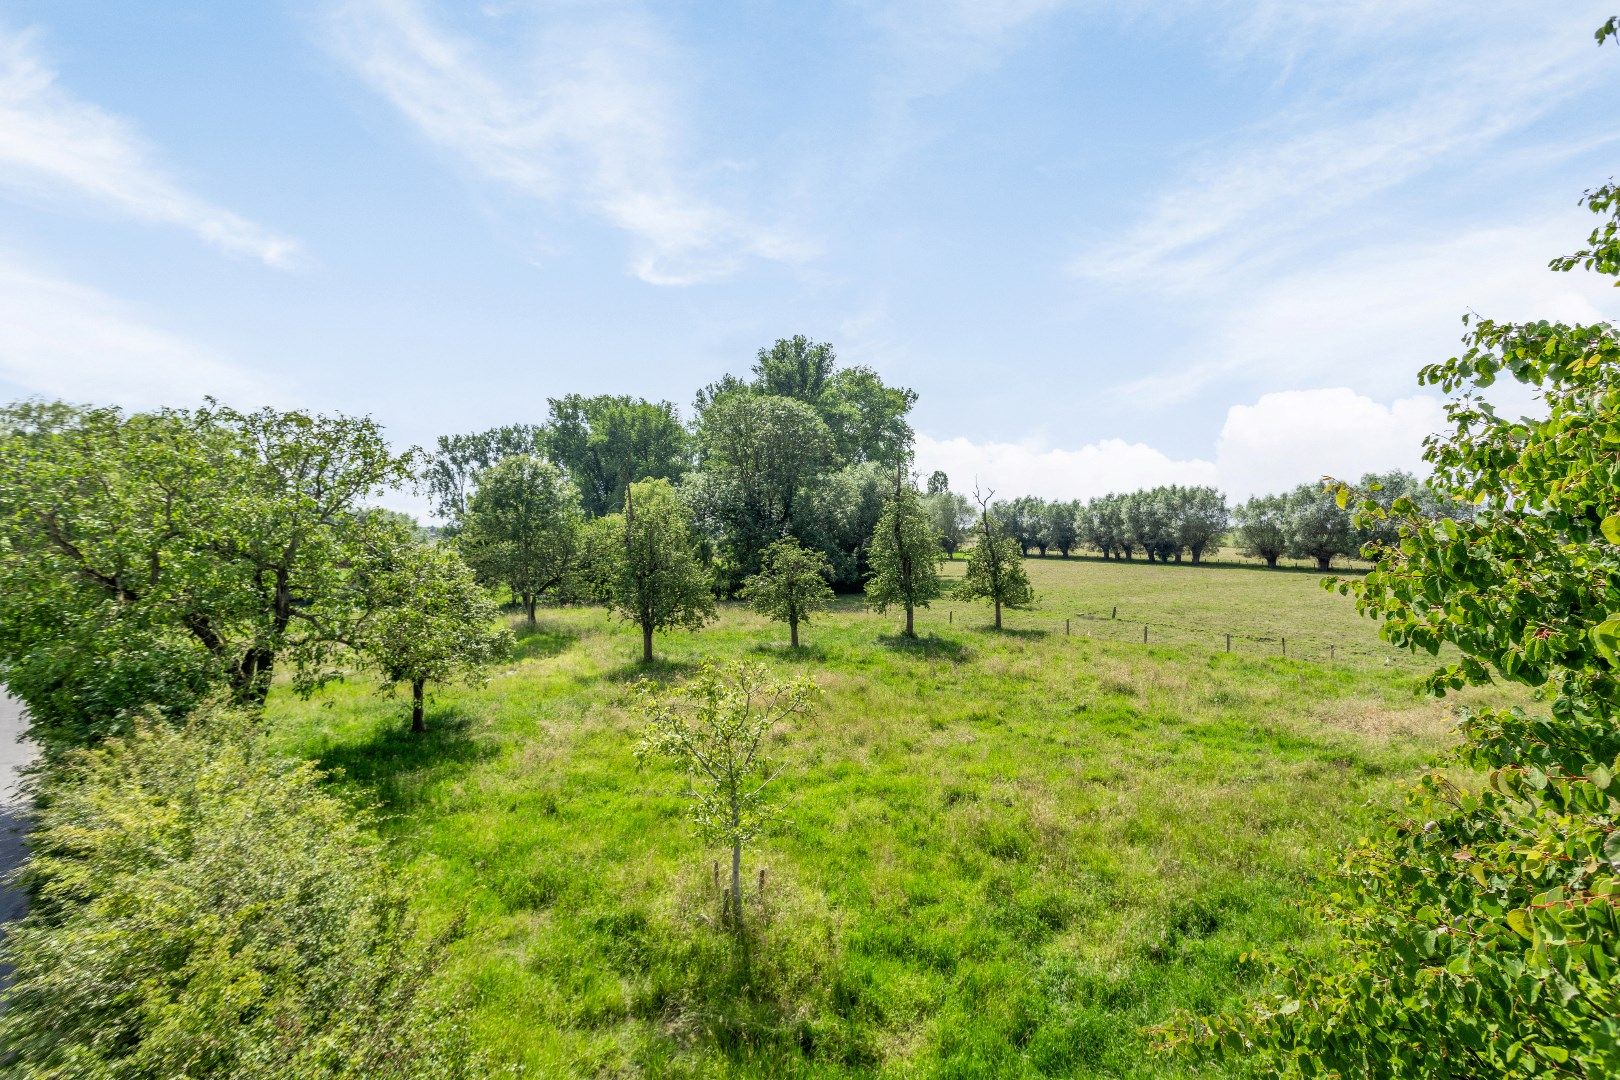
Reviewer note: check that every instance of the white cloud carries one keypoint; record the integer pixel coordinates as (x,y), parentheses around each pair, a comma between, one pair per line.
(1376,315)
(1296,436)
(60,339)
(1281,440)
(1014,469)
(585,114)
(52,144)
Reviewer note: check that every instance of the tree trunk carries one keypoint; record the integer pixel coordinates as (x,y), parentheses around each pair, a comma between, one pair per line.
(1178,556)
(736,885)
(793,630)
(529,603)
(416,706)
(998,613)
(250,682)
(911,630)
(646,643)
(1324,562)
(1197,553)
(1271,561)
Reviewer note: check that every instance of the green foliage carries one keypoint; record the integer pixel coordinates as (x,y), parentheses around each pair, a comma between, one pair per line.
(1317,527)
(452,472)
(203,909)
(1262,527)
(763,460)
(146,560)
(655,578)
(995,568)
(606,442)
(715,728)
(434,623)
(791,585)
(905,556)
(951,516)
(1481,931)
(522,529)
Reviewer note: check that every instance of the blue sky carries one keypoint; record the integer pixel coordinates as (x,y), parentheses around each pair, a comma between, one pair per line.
(1108,244)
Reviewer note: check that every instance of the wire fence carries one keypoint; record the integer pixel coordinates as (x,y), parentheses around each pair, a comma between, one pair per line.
(1111,624)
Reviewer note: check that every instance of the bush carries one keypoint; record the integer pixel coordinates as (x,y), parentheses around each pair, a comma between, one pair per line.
(202,908)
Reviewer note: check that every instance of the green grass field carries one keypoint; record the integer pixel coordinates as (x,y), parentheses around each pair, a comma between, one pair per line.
(1003,854)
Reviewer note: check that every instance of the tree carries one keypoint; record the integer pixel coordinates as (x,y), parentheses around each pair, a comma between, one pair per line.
(146,560)
(452,472)
(715,728)
(995,569)
(433,623)
(1020,519)
(1478,930)
(1316,527)
(905,555)
(1201,519)
(791,585)
(1059,526)
(1262,525)
(607,442)
(1105,527)
(764,461)
(523,529)
(938,482)
(950,515)
(657,581)
(1150,525)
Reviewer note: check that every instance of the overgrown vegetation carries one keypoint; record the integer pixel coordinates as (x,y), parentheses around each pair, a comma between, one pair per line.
(202,908)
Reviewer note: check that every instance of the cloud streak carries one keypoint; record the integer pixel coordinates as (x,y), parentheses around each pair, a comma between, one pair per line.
(65,340)
(52,144)
(583,116)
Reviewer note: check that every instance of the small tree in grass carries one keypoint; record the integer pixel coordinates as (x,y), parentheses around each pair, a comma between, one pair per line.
(791,585)
(434,623)
(995,569)
(656,579)
(905,555)
(715,727)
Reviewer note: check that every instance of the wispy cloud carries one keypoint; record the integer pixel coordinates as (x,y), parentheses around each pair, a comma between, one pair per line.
(584,115)
(53,145)
(1264,194)
(1378,313)
(61,339)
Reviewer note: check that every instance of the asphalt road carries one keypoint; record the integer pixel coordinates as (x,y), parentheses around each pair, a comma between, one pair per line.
(14,755)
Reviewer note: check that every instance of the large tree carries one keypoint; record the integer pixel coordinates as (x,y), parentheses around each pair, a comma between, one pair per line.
(1262,527)
(523,528)
(951,516)
(607,442)
(147,558)
(1316,527)
(905,555)
(1201,519)
(764,460)
(452,471)
(655,579)
(995,569)
(432,623)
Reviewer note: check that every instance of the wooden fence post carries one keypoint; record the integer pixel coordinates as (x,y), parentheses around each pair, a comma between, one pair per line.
(1144,633)
(1285,646)
(1228,642)
(1065,627)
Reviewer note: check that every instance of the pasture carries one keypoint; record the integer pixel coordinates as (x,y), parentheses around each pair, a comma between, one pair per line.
(1002,854)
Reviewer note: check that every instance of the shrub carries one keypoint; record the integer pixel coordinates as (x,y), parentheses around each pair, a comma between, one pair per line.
(203,909)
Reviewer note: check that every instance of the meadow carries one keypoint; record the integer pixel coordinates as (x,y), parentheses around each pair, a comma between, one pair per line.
(1002,854)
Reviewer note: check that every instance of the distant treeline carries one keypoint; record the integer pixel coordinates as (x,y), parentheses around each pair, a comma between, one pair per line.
(1170,522)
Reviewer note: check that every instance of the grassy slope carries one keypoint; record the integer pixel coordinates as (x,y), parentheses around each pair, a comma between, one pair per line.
(1005,853)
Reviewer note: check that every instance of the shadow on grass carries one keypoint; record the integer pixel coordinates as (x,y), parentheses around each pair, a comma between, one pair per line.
(659,670)
(931,647)
(1028,633)
(394,752)
(781,650)
(541,640)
